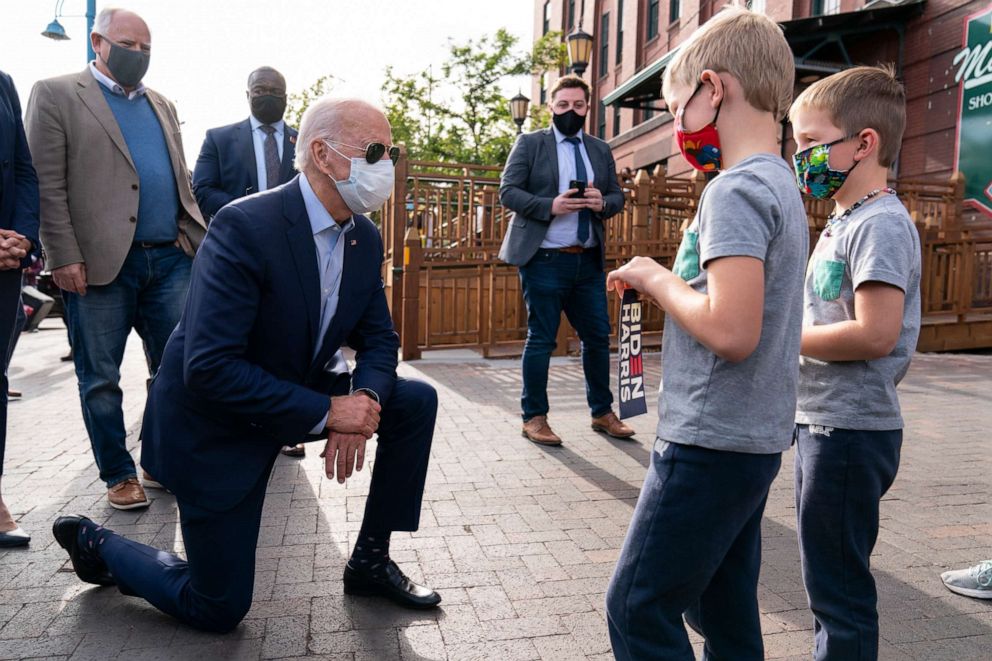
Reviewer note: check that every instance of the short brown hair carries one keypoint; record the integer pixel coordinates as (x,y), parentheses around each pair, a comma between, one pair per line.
(749,46)
(858,99)
(570,81)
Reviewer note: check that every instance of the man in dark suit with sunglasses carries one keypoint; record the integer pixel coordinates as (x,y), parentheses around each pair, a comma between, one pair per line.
(250,156)
(281,282)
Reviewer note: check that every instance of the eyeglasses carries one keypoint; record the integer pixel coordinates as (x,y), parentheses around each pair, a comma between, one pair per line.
(374,151)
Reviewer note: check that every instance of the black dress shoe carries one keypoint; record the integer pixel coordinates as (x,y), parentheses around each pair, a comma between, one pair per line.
(14,538)
(393,585)
(88,566)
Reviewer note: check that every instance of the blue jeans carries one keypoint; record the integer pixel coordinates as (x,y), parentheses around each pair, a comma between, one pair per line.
(147,295)
(693,548)
(11,312)
(841,475)
(553,282)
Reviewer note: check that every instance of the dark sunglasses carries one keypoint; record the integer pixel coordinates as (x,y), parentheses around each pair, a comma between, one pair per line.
(374,151)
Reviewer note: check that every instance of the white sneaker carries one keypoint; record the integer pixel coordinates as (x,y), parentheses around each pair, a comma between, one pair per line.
(971,582)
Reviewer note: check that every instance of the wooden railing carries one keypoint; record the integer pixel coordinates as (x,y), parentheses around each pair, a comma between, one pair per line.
(444,225)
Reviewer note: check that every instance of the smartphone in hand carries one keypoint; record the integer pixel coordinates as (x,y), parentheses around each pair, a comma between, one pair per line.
(580,185)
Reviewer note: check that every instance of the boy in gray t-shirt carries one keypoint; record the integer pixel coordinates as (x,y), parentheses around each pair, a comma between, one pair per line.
(860,325)
(733,306)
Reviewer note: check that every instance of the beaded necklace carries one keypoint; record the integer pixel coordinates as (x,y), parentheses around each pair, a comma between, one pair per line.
(832,219)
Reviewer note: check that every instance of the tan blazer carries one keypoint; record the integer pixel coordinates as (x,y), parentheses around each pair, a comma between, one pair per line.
(88,182)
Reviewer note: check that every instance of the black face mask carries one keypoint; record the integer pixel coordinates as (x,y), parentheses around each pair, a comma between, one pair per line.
(127,66)
(569,122)
(268,108)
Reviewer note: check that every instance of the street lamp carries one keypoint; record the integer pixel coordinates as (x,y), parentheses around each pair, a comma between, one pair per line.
(57,32)
(579,49)
(518,110)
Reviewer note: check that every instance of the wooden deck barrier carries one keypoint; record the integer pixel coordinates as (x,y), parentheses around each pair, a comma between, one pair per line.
(447,289)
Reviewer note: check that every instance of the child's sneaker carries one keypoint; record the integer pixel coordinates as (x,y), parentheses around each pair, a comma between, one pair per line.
(971,582)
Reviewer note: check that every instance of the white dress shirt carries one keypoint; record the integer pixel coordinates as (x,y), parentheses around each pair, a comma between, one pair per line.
(563,230)
(113,86)
(258,137)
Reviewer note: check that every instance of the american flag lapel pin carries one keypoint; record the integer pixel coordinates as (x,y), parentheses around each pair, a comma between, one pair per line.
(354,242)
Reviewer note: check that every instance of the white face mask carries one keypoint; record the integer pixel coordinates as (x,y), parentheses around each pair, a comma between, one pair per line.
(369,185)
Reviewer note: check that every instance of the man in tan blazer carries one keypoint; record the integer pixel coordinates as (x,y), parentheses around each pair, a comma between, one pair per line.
(119,224)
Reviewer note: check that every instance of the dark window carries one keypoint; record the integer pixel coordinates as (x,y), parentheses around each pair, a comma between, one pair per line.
(616,121)
(601,128)
(571,14)
(823,7)
(673,10)
(648,113)
(652,19)
(544,89)
(547,17)
(604,45)
(619,31)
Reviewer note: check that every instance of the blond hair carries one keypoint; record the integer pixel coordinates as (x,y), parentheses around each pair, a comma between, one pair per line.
(858,99)
(749,46)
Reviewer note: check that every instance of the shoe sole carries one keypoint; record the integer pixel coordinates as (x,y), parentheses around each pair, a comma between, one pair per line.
(152,484)
(606,431)
(134,506)
(361,591)
(969,592)
(532,440)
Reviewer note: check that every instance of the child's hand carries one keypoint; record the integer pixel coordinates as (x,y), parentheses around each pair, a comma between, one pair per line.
(636,274)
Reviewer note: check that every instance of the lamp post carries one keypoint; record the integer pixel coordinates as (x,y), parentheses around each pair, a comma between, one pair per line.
(518,110)
(579,49)
(57,32)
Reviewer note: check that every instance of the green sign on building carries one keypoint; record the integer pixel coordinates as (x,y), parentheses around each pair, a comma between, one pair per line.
(974,144)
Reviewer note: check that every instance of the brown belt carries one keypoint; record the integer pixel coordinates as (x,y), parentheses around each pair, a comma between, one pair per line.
(572,250)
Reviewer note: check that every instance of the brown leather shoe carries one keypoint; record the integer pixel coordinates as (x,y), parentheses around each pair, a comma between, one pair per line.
(537,430)
(610,424)
(149,481)
(127,495)
(294,450)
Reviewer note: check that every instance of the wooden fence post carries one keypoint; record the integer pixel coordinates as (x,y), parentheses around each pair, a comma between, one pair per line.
(413,256)
(393,237)
(957,184)
(642,205)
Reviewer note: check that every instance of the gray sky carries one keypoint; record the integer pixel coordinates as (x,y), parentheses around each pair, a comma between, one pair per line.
(203,51)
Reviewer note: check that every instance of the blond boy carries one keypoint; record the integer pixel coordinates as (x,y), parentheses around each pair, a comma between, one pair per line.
(860,325)
(733,304)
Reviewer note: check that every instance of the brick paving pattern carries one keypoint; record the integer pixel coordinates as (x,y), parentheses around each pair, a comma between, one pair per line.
(519,539)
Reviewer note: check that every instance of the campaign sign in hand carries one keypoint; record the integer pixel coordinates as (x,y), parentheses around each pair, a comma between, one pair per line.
(632,400)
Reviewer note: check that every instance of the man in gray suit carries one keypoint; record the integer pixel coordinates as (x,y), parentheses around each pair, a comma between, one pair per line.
(556,239)
(119,223)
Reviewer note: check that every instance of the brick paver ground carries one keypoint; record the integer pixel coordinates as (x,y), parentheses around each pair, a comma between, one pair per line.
(519,539)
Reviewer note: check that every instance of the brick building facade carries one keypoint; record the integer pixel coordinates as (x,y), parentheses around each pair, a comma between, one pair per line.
(924,39)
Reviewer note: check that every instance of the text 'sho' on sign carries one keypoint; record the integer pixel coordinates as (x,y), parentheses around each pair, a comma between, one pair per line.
(632,401)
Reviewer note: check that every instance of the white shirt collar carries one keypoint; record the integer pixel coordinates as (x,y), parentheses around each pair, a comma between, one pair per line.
(560,137)
(113,86)
(255,123)
(320,218)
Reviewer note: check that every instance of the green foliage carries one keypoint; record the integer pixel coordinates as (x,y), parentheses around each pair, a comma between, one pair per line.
(459,113)
(297,103)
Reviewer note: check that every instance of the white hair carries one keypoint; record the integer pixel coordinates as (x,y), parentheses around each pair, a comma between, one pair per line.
(104,19)
(325,119)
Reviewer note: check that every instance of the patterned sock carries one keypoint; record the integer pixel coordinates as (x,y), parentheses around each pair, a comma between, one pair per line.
(371,552)
(91,536)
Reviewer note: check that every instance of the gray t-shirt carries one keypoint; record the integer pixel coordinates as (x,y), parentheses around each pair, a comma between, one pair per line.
(753,209)
(877,243)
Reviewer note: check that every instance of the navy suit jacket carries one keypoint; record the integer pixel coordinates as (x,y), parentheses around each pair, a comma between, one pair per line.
(226,168)
(238,379)
(19,202)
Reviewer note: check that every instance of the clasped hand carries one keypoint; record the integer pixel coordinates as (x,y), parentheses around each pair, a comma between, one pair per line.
(351,422)
(13,248)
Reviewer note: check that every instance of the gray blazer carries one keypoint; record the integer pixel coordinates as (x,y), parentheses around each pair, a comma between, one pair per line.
(530,184)
(88,182)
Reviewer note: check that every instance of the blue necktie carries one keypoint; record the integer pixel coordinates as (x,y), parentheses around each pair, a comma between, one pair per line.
(585,215)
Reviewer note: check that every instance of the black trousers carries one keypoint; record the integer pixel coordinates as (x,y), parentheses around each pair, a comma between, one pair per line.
(212,588)
(10,302)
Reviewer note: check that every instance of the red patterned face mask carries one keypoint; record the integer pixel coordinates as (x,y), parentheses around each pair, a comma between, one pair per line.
(701,148)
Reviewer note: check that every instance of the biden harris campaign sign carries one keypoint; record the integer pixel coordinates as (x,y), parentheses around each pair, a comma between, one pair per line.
(973,74)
